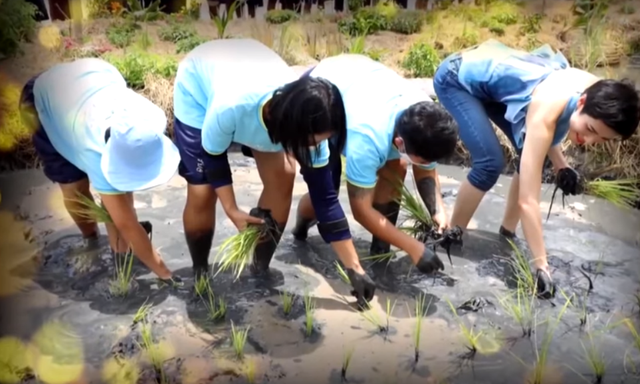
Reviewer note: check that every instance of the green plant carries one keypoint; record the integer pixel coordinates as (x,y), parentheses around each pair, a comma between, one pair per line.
(346,360)
(357,45)
(595,359)
(238,340)
(420,310)
(623,193)
(135,66)
(121,33)
(407,22)
(415,212)
(520,307)
(365,21)
(221,22)
(90,210)
(142,313)
(309,308)
(280,16)
(287,302)
(201,284)
(216,309)
(422,60)
(531,24)
(121,283)
(342,273)
(521,268)
(372,317)
(472,337)
(236,252)
(176,31)
(17,25)
(137,12)
(144,40)
(249,370)
(188,44)
(354,5)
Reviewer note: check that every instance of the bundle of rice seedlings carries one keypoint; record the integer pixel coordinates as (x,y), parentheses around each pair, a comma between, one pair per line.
(416,212)
(90,210)
(236,252)
(309,308)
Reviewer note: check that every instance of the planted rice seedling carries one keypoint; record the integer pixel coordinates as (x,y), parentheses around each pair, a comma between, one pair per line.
(373,318)
(521,268)
(470,335)
(346,360)
(309,307)
(201,285)
(420,310)
(595,359)
(153,351)
(142,313)
(390,307)
(250,370)
(121,283)
(287,302)
(520,307)
(238,340)
(90,210)
(216,308)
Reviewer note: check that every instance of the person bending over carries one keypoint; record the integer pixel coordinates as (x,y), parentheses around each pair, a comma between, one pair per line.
(390,124)
(537,100)
(273,115)
(91,130)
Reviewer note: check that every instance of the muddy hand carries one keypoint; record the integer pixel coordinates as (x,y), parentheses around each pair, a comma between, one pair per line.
(570,181)
(363,288)
(148,228)
(429,262)
(241,219)
(546,286)
(173,282)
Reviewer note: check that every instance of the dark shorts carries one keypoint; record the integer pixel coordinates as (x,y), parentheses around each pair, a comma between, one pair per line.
(55,166)
(188,140)
(335,163)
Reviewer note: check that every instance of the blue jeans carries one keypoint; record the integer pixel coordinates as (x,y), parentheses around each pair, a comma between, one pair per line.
(474,117)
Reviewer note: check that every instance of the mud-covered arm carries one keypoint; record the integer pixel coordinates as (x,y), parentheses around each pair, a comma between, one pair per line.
(541,121)
(217,135)
(557,158)
(125,220)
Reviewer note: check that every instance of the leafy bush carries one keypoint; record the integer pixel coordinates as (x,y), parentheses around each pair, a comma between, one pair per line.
(354,5)
(280,16)
(17,25)
(407,22)
(497,29)
(122,33)
(134,67)
(422,60)
(188,44)
(365,21)
(174,32)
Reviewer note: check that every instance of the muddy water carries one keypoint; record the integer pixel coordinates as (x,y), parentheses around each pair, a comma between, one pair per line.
(65,286)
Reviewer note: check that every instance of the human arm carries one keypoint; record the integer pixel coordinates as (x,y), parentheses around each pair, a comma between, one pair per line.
(557,158)
(428,185)
(126,222)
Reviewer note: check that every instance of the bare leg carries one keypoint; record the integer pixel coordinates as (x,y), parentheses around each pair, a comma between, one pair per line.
(199,224)
(467,202)
(88,228)
(384,199)
(117,242)
(512,210)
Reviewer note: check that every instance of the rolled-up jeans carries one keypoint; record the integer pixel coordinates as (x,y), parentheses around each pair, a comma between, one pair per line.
(474,116)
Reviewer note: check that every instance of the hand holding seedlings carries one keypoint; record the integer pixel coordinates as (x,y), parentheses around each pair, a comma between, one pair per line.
(242,219)
(363,287)
(429,262)
(570,182)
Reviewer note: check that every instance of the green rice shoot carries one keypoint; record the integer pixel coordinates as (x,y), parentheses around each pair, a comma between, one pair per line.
(634,333)
(238,340)
(342,273)
(309,308)
(153,351)
(415,211)
(142,313)
(389,311)
(621,193)
(121,282)
(146,335)
(525,279)
(287,300)
(216,308)
(201,285)
(470,335)
(250,370)
(520,307)
(346,360)
(595,359)
(371,316)
(388,256)
(236,252)
(90,210)
(421,308)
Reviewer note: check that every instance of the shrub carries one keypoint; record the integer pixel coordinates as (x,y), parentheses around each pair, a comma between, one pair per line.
(174,32)
(17,25)
(407,22)
(497,29)
(122,33)
(280,16)
(365,21)
(188,44)
(354,5)
(421,61)
(134,67)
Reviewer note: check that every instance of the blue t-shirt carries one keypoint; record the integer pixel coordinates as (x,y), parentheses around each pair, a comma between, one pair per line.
(76,103)
(374,96)
(221,88)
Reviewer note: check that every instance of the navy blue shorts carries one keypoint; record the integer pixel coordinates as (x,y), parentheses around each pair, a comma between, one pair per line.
(55,166)
(335,162)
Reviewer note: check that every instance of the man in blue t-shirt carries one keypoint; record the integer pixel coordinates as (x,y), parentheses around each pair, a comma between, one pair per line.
(91,130)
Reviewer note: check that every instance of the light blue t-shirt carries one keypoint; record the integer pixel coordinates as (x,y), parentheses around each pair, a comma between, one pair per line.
(221,87)
(374,96)
(76,103)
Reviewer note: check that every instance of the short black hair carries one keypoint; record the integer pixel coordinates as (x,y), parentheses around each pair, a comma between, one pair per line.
(428,131)
(303,108)
(615,103)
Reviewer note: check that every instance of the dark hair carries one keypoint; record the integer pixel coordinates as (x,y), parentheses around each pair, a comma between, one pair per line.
(428,131)
(303,108)
(615,103)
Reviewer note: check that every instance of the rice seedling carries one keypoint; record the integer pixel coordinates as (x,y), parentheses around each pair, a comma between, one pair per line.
(146,335)
(346,360)
(236,252)
(238,340)
(201,285)
(389,310)
(250,370)
(415,211)
(287,302)
(420,309)
(634,333)
(371,316)
(469,333)
(595,359)
(142,312)
(90,210)
(121,283)
(309,307)
(520,307)
(216,308)
(381,257)
(342,273)
(521,268)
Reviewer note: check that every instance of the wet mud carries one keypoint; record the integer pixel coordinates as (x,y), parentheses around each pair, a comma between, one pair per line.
(51,277)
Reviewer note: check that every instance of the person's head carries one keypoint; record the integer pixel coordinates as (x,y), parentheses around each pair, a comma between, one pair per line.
(426,132)
(303,113)
(607,110)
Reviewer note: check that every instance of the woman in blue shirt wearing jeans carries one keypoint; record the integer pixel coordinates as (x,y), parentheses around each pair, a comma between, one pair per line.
(537,100)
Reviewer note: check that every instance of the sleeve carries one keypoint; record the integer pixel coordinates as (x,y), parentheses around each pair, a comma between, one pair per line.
(217,135)
(320,154)
(428,167)
(100,183)
(332,223)
(363,161)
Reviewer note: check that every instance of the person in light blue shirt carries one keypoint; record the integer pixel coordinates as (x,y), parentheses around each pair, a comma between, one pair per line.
(537,100)
(240,91)
(93,131)
(390,123)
